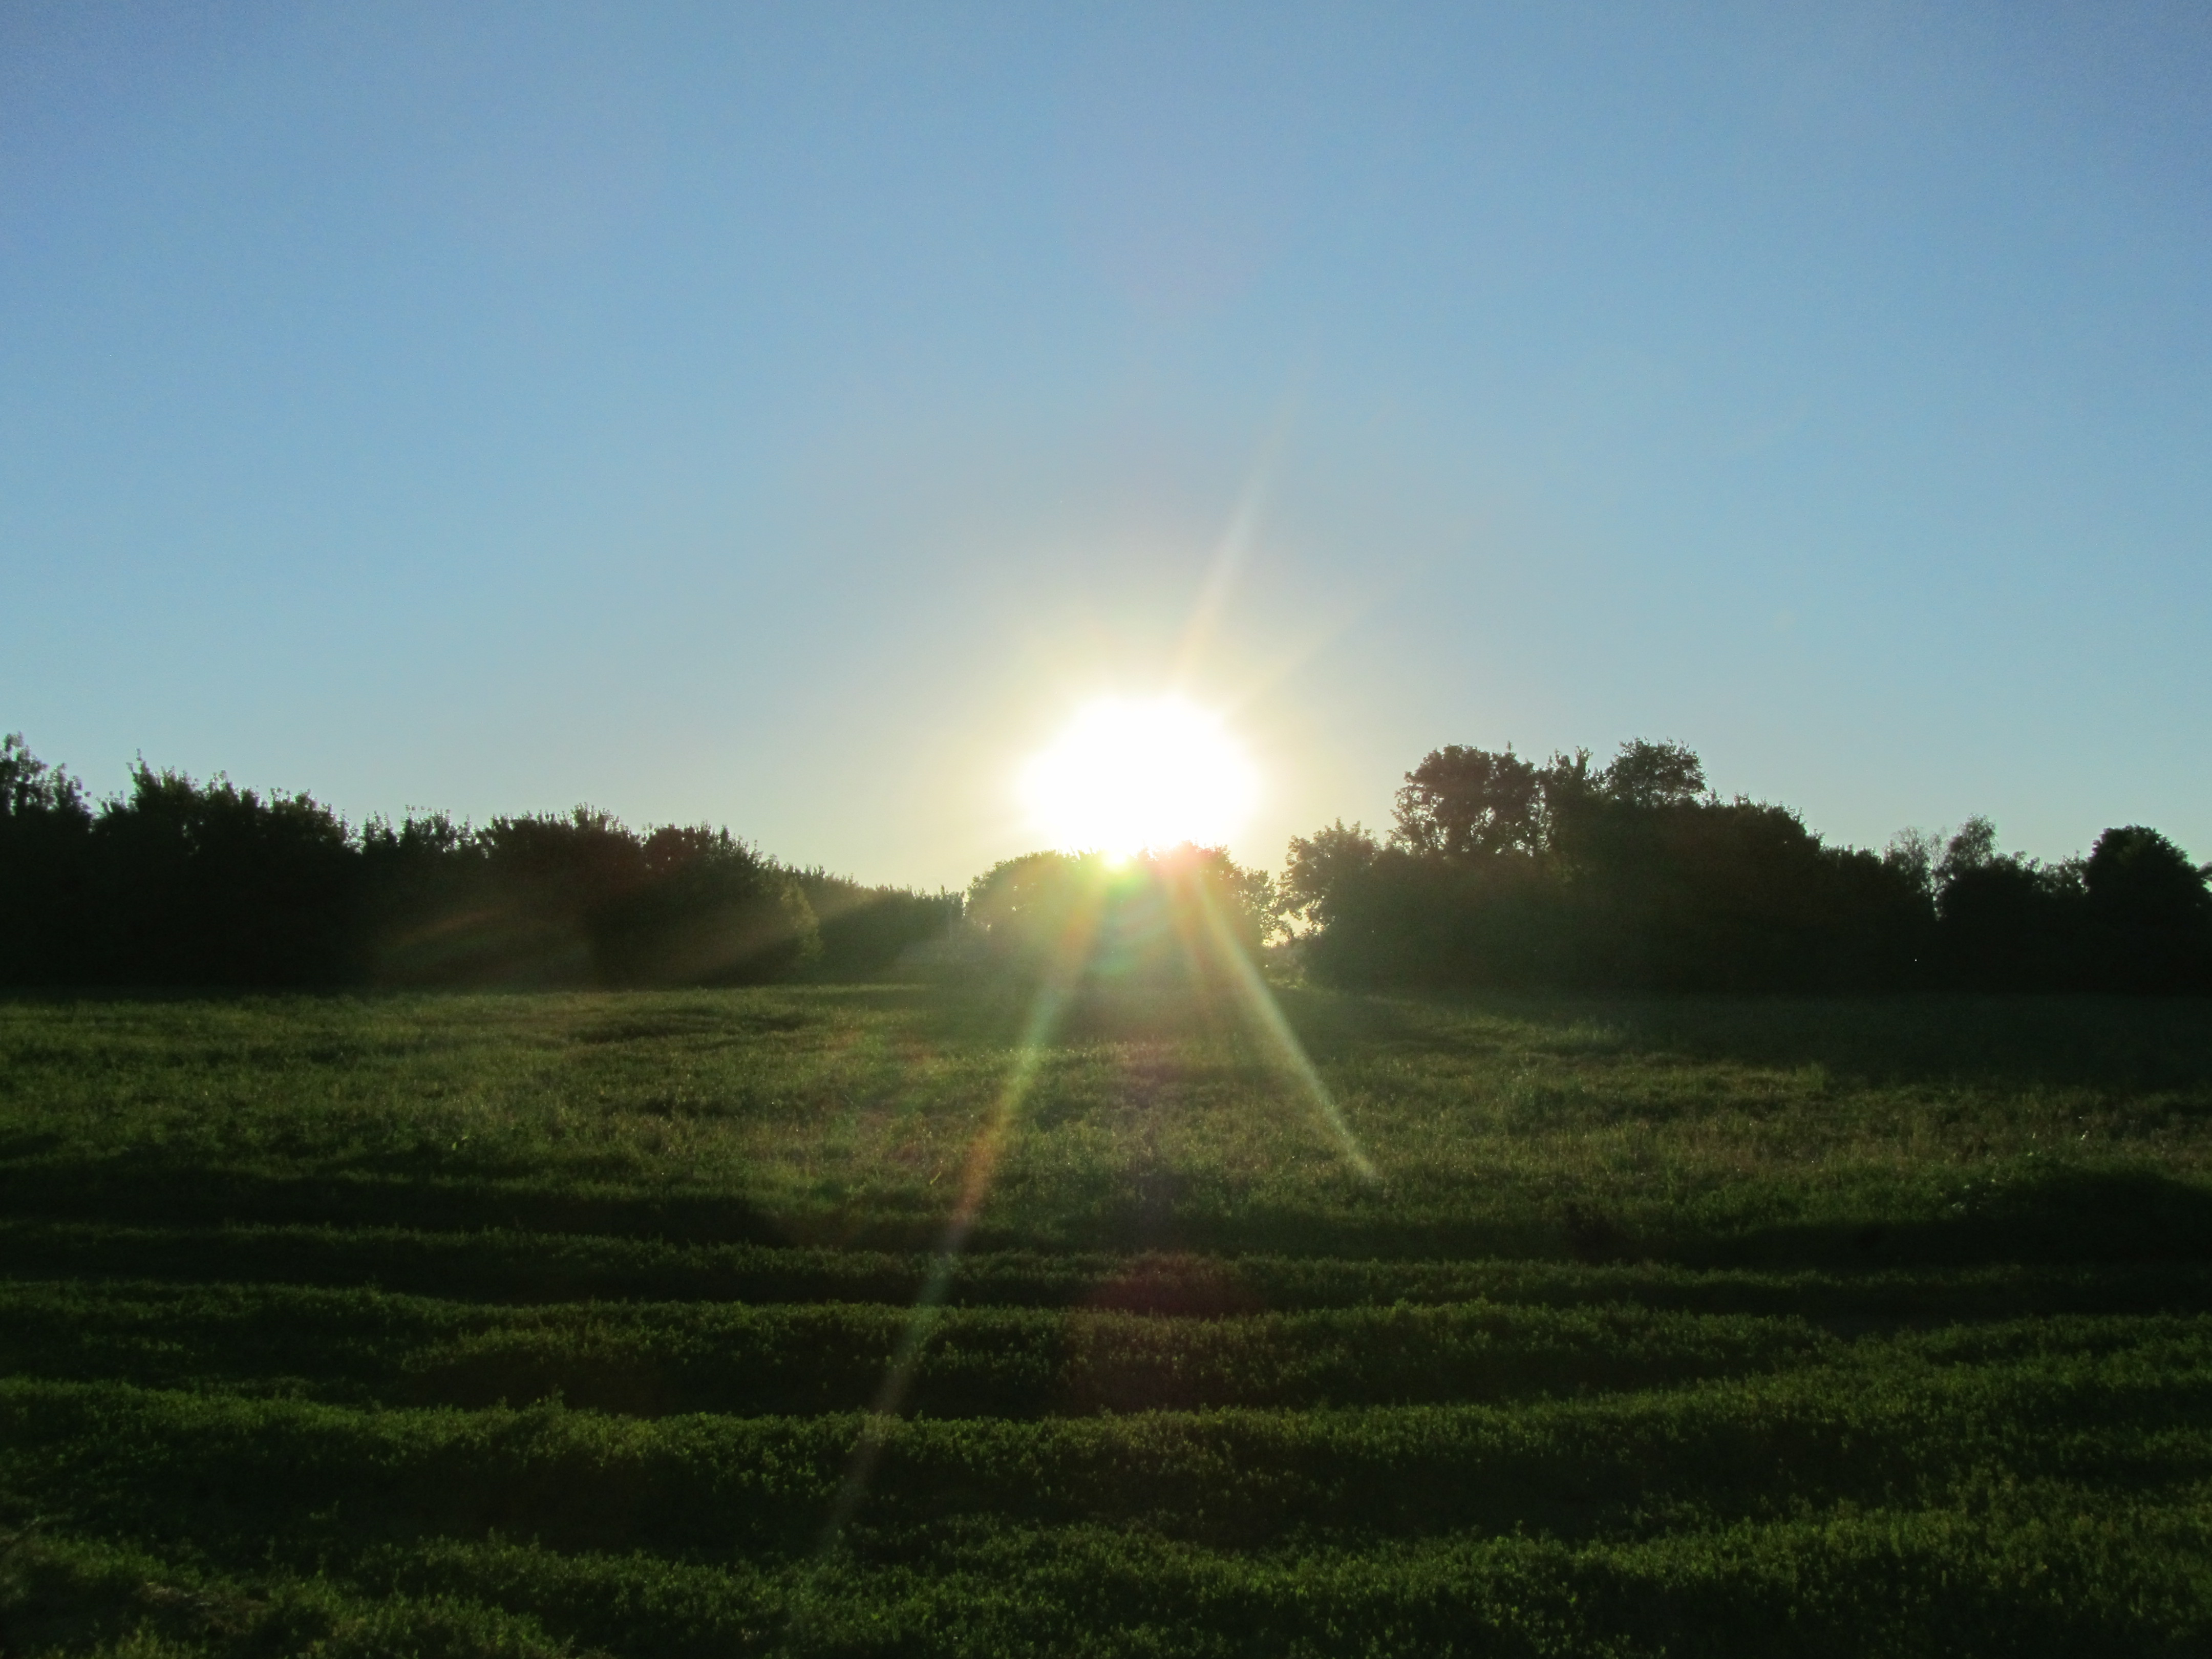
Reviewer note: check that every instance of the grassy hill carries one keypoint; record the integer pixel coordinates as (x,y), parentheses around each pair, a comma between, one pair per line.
(618,1323)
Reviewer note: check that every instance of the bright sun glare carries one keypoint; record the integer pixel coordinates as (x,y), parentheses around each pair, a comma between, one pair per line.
(1128,775)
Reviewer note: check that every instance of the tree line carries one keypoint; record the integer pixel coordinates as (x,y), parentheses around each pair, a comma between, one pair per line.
(1176,914)
(1497,870)
(176,882)
(1500,870)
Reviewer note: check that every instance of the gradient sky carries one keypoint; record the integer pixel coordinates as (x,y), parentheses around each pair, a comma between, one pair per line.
(785,416)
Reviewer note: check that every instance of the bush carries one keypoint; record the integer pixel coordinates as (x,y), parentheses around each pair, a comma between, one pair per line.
(1159,918)
(180,882)
(1634,876)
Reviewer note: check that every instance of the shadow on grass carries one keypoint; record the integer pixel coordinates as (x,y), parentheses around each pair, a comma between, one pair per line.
(2059,1217)
(2121,1043)
(2056,1218)
(150,1191)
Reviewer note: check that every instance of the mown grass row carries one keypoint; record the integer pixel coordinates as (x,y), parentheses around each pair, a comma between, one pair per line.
(2041,1569)
(239,1478)
(2060,1212)
(505,1265)
(659,1358)
(844,1116)
(529,1325)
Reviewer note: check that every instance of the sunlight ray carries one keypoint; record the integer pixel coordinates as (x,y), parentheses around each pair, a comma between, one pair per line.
(1234,548)
(1265,1016)
(1229,558)
(1041,1024)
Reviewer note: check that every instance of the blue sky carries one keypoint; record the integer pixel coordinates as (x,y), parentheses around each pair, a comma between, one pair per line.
(785,416)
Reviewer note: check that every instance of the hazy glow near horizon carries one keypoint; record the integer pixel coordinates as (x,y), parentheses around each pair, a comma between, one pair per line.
(1126,774)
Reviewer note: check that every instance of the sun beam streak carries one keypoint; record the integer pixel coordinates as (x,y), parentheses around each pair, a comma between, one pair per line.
(1230,553)
(1213,598)
(1042,1022)
(1207,938)
(1264,1016)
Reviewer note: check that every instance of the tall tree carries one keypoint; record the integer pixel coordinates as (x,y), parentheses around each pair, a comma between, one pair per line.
(1462,803)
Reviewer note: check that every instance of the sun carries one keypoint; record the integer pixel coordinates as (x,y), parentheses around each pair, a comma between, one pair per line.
(1126,774)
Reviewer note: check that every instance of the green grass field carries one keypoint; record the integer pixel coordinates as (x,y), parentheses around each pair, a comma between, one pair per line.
(527,1325)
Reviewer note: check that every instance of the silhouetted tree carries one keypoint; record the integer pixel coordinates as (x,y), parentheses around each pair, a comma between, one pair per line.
(2007,923)
(1159,917)
(1912,854)
(1632,874)
(2149,914)
(701,908)
(1323,872)
(212,884)
(1462,803)
(46,834)
(1652,774)
(864,930)
(179,883)
(1496,871)
(428,914)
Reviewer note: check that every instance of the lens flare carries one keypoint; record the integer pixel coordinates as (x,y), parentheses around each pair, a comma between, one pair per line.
(1214,951)
(882,1423)
(1126,774)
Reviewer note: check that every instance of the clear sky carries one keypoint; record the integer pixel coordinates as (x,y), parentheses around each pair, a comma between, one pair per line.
(786,417)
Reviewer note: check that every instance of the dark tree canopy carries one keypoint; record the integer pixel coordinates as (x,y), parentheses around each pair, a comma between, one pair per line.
(1497,870)
(1163,916)
(1654,775)
(2148,912)
(1467,803)
(1634,874)
(182,882)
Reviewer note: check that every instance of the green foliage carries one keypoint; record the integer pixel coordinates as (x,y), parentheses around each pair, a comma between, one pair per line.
(530,1325)
(1467,803)
(184,883)
(1500,873)
(581,900)
(864,931)
(215,884)
(45,826)
(1160,918)
(2148,912)
(30,789)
